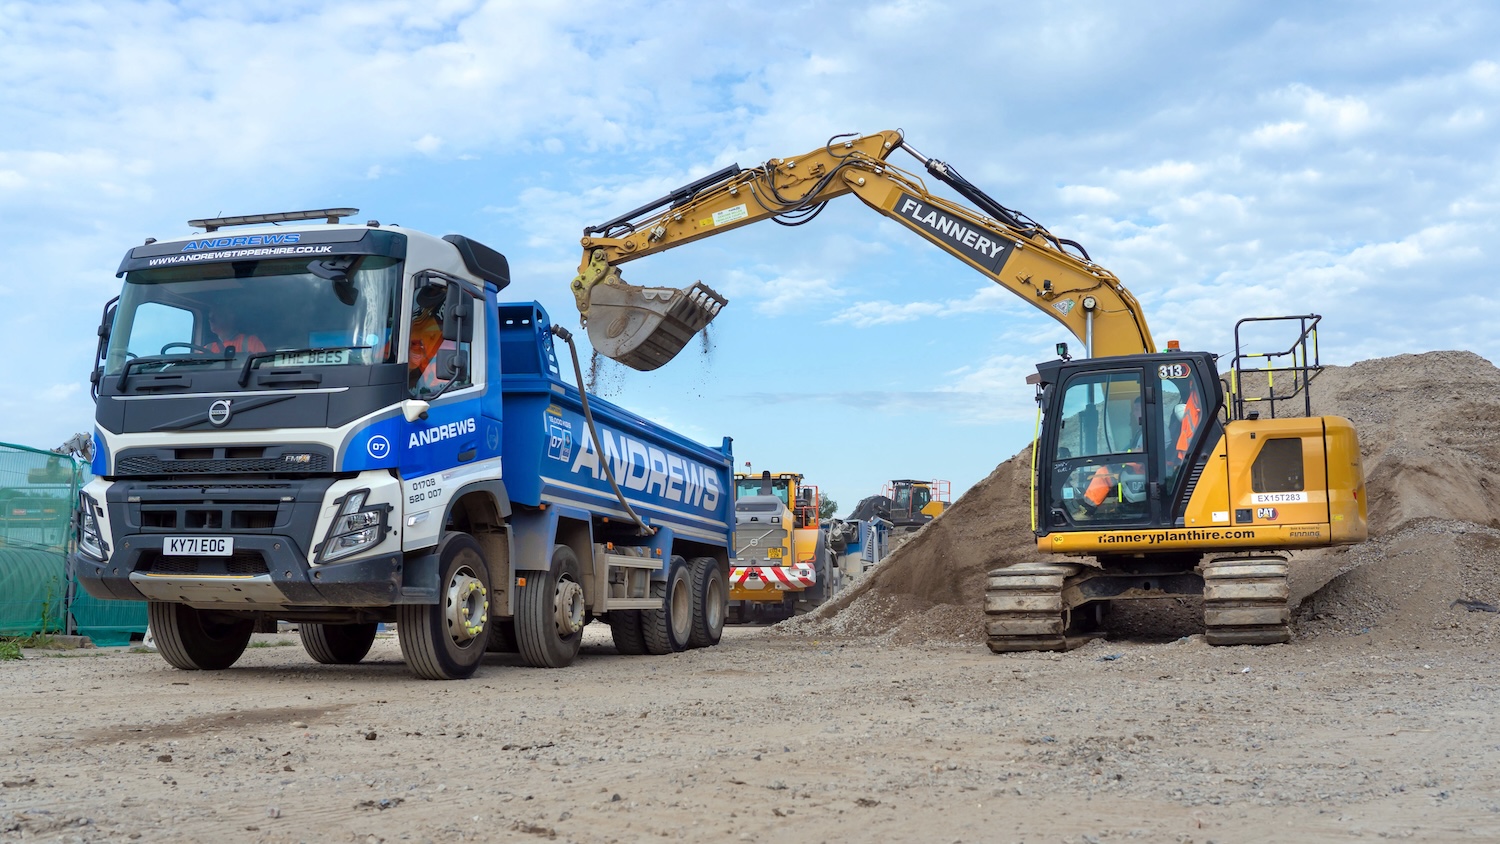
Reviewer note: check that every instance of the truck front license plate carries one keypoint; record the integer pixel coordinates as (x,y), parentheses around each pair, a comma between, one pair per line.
(198,546)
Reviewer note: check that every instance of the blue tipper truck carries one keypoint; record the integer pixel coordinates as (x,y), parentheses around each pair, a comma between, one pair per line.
(341,426)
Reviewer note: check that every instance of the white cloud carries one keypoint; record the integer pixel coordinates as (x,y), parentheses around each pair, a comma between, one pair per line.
(1088,195)
(1279,134)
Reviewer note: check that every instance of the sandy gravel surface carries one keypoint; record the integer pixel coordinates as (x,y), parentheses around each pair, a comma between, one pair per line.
(768,737)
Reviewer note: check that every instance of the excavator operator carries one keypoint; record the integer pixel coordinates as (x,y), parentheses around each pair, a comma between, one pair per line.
(1105,479)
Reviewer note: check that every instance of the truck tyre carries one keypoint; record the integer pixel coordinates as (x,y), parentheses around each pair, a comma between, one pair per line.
(667,629)
(626,628)
(337,644)
(502,636)
(446,640)
(550,613)
(197,640)
(710,602)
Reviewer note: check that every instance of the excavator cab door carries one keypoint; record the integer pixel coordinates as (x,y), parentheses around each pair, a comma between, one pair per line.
(1097,439)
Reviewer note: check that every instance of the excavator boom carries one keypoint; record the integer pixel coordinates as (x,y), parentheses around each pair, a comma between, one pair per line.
(644,327)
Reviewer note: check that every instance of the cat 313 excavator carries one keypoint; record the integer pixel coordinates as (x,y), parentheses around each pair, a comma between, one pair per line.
(1151,477)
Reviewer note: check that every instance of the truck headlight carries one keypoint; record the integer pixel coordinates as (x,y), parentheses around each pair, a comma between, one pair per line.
(90,540)
(355,528)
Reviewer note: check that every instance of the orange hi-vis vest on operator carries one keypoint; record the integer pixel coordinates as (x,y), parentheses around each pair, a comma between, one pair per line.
(1192,414)
(242,343)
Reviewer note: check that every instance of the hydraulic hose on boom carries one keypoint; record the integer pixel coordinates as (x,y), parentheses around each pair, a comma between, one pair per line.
(644,327)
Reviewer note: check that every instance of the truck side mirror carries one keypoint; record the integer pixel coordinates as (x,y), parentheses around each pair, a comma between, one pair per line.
(453,364)
(458,316)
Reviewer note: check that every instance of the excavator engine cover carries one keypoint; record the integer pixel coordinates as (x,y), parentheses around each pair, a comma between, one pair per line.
(644,327)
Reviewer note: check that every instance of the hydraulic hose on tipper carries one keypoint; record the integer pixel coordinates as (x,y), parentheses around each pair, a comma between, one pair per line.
(588,417)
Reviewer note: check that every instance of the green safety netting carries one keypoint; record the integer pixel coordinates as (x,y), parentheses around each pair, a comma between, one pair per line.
(38,492)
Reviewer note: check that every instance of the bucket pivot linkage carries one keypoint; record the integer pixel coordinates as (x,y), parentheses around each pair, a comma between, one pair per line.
(641,327)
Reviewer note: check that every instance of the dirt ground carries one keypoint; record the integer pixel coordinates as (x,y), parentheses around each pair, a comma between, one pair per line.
(768,737)
(882,717)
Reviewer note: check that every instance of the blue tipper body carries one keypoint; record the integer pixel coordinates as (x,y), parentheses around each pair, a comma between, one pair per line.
(680,488)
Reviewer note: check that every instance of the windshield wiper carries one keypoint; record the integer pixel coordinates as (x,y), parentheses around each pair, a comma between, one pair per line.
(186,357)
(250,361)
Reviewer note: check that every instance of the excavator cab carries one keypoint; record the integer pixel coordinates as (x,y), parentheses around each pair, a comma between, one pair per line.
(1117,436)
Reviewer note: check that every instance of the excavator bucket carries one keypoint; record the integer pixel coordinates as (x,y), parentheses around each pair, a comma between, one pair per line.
(644,327)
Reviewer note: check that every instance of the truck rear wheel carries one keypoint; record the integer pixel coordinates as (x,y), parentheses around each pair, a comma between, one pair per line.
(337,644)
(502,636)
(197,640)
(446,640)
(627,629)
(667,629)
(550,613)
(710,602)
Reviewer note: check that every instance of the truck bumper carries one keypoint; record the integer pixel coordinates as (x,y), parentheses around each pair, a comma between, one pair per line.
(264,572)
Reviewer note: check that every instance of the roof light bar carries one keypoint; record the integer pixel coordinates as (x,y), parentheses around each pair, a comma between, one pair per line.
(330,214)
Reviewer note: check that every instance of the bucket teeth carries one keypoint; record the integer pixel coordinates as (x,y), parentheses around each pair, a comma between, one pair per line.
(644,327)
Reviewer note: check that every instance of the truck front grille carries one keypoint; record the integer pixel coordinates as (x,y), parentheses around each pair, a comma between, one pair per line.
(763,538)
(241,563)
(147,465)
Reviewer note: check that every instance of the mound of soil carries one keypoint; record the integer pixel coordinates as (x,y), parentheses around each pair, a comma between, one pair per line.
(1429,429)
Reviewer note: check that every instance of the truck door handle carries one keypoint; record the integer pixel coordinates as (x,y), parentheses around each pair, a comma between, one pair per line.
(469,453)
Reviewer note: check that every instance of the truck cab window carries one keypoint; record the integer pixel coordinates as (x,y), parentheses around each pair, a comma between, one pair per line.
(426,341)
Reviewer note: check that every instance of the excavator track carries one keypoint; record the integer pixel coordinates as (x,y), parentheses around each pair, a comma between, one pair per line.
(1023,608)
(1245,601)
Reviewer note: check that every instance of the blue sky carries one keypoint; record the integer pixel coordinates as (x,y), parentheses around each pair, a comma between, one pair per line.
(1225,159)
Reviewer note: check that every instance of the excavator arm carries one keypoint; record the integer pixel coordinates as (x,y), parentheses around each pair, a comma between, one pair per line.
(644,327)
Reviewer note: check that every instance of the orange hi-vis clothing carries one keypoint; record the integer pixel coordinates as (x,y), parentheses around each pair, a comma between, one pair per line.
(1192,414)
(243,344)
(426,339)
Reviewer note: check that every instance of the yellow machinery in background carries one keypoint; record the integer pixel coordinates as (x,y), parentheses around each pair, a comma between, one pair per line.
(782,560)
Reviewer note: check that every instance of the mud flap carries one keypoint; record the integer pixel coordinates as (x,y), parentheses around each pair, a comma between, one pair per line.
(644,327)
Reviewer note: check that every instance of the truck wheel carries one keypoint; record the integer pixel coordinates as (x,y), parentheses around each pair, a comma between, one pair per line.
(337,644)
(197,640)
(550,613)
(710,602)
(626,628)
(502,636)
(667,630)
(446,640)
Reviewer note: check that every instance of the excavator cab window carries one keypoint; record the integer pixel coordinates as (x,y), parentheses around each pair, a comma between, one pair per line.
(1099,463)
(1182,411)
(920,496)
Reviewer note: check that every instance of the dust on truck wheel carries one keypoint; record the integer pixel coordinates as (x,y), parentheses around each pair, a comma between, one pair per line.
(197,640)
(550,612)
(446,640)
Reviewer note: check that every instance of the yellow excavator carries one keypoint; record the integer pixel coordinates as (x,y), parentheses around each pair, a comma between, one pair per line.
(1152,477)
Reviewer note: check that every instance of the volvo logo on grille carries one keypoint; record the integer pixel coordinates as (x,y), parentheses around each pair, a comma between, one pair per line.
(219,413)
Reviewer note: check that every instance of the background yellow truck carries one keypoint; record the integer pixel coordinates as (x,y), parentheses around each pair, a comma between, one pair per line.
(783,562)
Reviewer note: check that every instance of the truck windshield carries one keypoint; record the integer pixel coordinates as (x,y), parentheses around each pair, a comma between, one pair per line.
(220,312)
(751,486)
